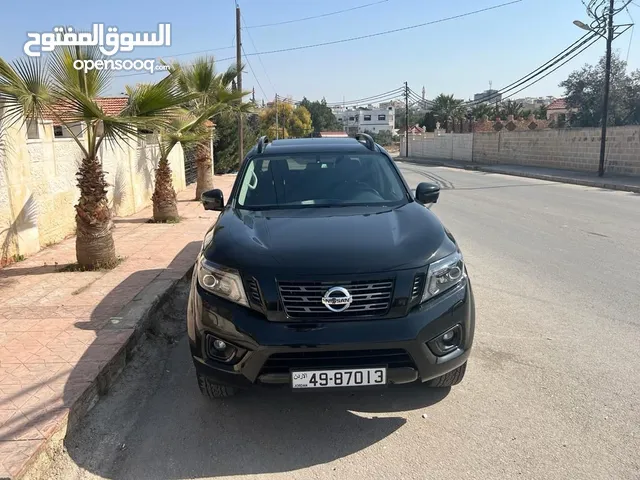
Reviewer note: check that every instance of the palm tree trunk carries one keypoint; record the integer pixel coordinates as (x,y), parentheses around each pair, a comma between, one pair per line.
(165,203)
(205,168)
(94,240)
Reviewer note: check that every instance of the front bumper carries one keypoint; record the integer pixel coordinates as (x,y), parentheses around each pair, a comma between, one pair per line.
(272,349)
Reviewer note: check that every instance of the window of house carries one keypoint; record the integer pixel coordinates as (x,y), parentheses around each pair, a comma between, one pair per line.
(367,118)
(351,119)
(57,131)
(382,117)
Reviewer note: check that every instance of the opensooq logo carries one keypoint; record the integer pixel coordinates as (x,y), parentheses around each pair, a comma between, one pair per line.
(108,39)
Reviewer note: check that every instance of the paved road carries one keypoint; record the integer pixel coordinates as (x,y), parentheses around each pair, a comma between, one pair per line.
(552,390)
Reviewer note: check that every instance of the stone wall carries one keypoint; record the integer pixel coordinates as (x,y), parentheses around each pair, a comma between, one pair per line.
(38,184)
(570,148)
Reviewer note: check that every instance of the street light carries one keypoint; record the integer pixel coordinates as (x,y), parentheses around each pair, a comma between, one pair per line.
(583,26)
(607,81)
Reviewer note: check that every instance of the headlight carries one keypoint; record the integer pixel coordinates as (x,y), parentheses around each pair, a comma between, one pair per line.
(443,275)
(221,281)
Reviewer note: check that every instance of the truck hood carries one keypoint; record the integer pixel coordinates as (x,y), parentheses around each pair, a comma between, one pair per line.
(347,240)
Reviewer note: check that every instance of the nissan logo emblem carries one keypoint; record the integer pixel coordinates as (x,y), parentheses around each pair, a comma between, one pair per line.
(337,299)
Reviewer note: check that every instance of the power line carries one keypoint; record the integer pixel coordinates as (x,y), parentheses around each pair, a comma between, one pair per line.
(418,97)
(366,104)
(253,73)
(594,40)
(567,51)
(362,37)
(386,32)
(203,51)
(631,37)
(259,57)
(318,16)
(367,99)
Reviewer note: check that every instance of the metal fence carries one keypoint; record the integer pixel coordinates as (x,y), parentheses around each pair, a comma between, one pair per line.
(190,168)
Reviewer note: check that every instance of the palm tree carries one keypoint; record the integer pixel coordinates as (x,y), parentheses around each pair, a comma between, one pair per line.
(447,107)
(189,131)
(541,112)
(512,108)
(210,90)
(32,86)
(481,110)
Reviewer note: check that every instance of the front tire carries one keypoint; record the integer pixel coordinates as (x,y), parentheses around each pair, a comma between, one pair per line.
(449,379)
(214,390)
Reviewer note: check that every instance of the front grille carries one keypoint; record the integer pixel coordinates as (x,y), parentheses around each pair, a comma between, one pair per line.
(304,299)
(254,291)
(284,362)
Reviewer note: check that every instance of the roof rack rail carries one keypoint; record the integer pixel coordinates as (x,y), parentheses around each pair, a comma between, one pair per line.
(371,145)
(262,142)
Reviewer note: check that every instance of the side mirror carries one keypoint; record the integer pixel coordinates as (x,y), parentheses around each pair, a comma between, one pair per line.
(213,200)
(427,193)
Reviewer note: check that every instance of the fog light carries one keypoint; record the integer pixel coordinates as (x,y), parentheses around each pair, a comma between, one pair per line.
(448,336)
(222,351)
(219,345)
(446,342)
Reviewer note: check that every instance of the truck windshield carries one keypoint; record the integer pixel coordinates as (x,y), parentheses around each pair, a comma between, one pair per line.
(320,180)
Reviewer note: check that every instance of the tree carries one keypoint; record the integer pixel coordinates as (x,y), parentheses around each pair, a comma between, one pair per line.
(226,140)
(189,131)
(446,107)
(541,112)
(322,118)
(299,124)
(481,110)
(414,117)
(292,121)
(428,121)
(209,89)
(584,87)
(383,137)
(526,113)
(33,86)
(511,108)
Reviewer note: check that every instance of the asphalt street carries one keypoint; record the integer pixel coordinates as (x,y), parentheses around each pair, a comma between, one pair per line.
(552,390)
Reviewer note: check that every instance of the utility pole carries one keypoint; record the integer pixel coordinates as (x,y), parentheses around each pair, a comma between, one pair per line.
(277,126)
(607,86)
(239,68)
(406,119)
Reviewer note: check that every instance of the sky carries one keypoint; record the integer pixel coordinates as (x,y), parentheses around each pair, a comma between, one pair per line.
(459,57)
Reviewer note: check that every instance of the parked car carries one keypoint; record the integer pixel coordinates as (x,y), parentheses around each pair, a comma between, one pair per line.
(324,270)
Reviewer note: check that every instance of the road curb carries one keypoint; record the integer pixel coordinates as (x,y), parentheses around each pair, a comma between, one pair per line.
(538,176)
(136,315)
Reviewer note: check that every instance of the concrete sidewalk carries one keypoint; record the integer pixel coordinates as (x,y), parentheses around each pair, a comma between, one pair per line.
(608,181)
(65,336)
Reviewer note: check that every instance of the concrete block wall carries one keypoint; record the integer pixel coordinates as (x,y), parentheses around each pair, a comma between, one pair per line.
(572,149)
(446,146)
(38,189)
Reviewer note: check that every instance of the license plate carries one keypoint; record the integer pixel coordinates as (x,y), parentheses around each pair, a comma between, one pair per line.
(356,377)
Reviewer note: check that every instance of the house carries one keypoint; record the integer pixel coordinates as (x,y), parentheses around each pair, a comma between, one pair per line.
(368,119)
(109,105)
(558,110)
(416,129)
